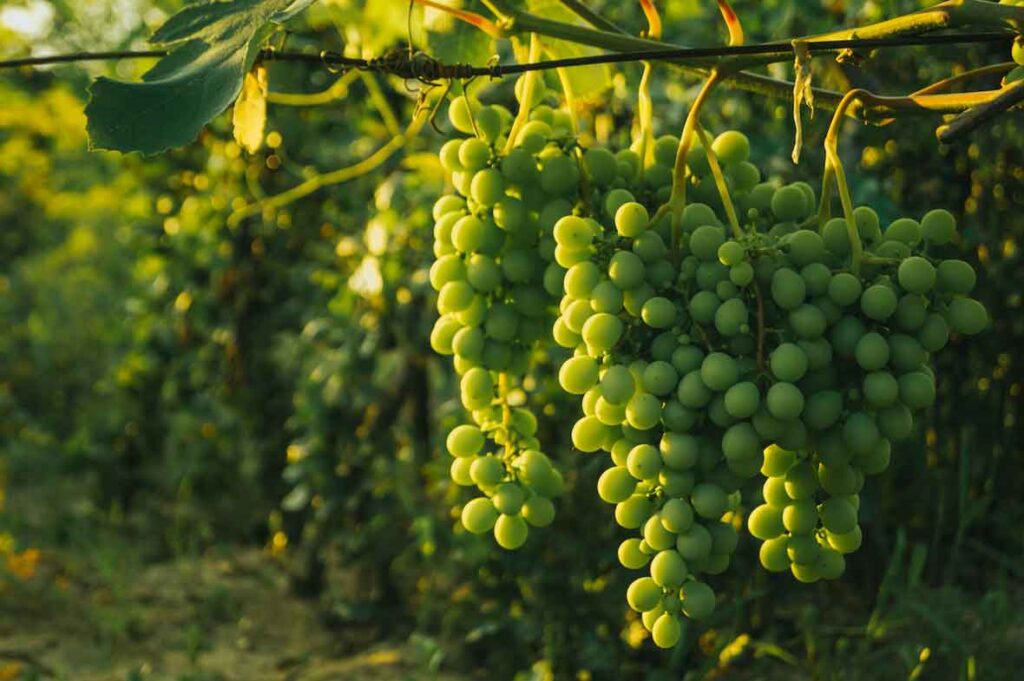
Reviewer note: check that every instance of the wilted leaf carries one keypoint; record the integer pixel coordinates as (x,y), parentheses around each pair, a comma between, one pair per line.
(249,118)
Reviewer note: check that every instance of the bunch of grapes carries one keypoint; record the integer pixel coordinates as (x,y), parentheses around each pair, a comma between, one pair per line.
(756,350)
(705,355)
(497,287)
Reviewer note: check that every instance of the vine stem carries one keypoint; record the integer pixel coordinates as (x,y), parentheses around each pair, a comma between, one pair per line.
(529,84)
(367,165)
(723,189)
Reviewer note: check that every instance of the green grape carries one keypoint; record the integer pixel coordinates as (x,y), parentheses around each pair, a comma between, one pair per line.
(660,378)
(573,233)
(731,317)
(807,321)
(703,306)
(741,274)
(911,311)
(477,388)
(731,147)
(443,333)
(487,187)
(487,471)
(508,498)
(1017,51)
(934,333)
(694,543)
(679,451)
(742,400)
(643,411)
(840,479)
(460,471)
(844,289)
(803,548)
(868,225)
(838,515)
(533,136)
(633,512)
(836,236)
(578,374)
(630,555)
(895,422)
(631,219)
(665,148)
(765,522)
(904,230)
(602,331)
(788,288)
(483,273)
(538,511)
(692,392)
(805,247)
(938,226)
(449,157)
(606,297)
(917,390)
(745,176)
(479,515)
(633,299)
(559,174)
(626,270)
(773,554)
(860,433)
(501,323)
(709,500)
(468,234)
(460,115)
(916,275)
(880,389)
(784,401)
(705,242)
(666,631)
(510,531)
(519,167)
(967,316)
(801,482)
(719,371)
(473,156)
(878,302)
(845,543)
(790,203)
(643,594)
(676,516)
(871,352)
(731,253)
(830,564)
(600,165)
(615,199)
(655,534)
(465,440)
(658,312)
(788,362)
(669,569)
(774,492)
(588,434)
(698,600)
(644,462)
(777,462)
(806,573)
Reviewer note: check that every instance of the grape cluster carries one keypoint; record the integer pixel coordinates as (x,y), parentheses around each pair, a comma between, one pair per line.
(497,287)
(706,357)
(753,352)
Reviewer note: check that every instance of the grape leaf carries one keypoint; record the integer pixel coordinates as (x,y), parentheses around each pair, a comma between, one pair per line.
(586,80)
(214,44)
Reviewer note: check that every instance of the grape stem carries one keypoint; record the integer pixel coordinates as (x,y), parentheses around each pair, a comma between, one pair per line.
(526,96)
(723,188)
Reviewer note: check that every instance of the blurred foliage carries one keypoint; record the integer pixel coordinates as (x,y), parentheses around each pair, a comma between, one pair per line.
(190,384)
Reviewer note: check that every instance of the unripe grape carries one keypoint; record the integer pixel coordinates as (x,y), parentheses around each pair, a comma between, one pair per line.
(967,316)
(666,631)
(479,515)
(643,594)
(705,242)
(788,362)
(510,531)
(465,440)
(878,302)
(709,500)
(790,203)
(676,516)
(578,374)
(487,471)
(698,600)
(904,230)
(633,512)
(538,511)
(668,569)
(916,275)
(631,219)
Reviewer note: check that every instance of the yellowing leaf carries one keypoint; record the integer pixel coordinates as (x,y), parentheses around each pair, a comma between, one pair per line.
(249,118)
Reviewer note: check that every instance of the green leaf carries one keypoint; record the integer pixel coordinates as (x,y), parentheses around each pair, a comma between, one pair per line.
(586,80)
(214,45)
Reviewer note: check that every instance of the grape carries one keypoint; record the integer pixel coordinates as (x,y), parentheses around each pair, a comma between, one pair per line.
(871,352)
(633,512)
(538,511)
(630,555)
(643,462)
(643,411)
(868,225)
(660,378)
(955,276)
(916,275)
(578,374)
(880,389)
(967,316)
(705,242)
(784,401)
(938,226)
(465,440)
(731,253)
(709,500)
(904,230)
(588,434)
(731,147)
(878,302)
(788,362)
(658,312)
(838,515)
(631,219)
(917,390)
(788,288)
(602,331)
(777,462)
(477,388)
(479,515)
(510,531)
(836,236)
(487,471)
(773,554)
(790,203)
(666,631)
(731,317)
(643,594)
(845,543)
(719,371)
(655,534)
(676,516)
(698,600)
(626,270)
(487,187)
(805,247)
(508,498)
(600,165)
(742,400)
(460,116)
